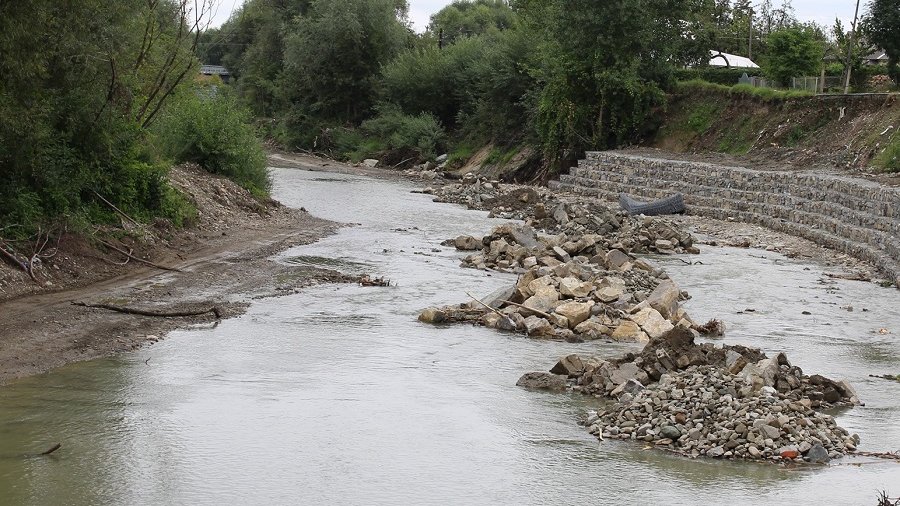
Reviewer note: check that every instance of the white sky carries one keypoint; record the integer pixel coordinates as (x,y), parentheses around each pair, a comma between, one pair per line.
(820,11)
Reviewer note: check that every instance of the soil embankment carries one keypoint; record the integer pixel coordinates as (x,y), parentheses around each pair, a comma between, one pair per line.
(222,261)
(825,132)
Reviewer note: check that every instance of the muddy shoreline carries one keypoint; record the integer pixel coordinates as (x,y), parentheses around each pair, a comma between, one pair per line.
(225,261)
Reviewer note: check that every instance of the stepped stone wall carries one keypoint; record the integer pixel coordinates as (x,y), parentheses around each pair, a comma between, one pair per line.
(853,216)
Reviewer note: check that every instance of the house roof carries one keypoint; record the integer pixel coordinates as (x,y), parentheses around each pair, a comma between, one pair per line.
(734,61)
(214,70)
(879,55)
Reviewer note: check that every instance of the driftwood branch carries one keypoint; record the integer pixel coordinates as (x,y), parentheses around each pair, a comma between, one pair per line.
(52,449)
(136,259)
(22,264)
(545,315)
(476,299)
(157,314)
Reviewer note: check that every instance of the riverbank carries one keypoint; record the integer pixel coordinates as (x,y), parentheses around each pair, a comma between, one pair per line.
(222,261)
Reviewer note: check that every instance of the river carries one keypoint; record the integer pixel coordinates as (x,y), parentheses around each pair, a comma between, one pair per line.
(338,395)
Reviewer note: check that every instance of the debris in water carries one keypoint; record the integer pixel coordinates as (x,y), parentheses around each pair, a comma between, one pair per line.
(712,328)
(365,280)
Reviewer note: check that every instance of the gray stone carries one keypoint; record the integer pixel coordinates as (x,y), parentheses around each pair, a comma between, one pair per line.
(370,163)
(432,315)
(715,452)
(570,365)
(538,327)
(670,432)
(616,259)
(467,243)
(542,381)
(574,287)
(561,254)
(817,455)
(769,432)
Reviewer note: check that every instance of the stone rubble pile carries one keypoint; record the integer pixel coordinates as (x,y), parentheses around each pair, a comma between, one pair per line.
(614,296)
(575,221)
(706,400)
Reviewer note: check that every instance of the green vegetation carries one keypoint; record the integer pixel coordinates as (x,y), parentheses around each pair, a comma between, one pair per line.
(881,24)
(793,52)
(745,90)
(84,87)
(889,159)
(206,126)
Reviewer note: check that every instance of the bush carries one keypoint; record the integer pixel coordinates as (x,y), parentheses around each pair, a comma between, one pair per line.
(764,94)
(208,127)
(889,159)
(422,133)
(717,75)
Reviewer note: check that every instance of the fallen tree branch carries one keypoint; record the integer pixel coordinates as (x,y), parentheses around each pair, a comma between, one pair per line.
(116,209)
(545,315)
(141,260)
(158,314)
(24,265)
(476,299)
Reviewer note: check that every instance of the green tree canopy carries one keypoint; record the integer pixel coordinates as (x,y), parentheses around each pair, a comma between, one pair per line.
(604,66)
(334,54)
(794,52)
(881,24)
(466,18)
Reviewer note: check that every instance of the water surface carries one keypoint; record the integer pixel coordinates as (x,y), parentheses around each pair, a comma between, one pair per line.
(338,395)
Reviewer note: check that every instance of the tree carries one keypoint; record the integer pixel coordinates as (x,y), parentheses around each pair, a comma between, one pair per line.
(881,24)
(793,52)
(334,54)
(466,18)
(604,67)
(80,83)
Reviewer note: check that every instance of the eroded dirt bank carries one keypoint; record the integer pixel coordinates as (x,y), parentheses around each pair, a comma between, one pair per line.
(222,260)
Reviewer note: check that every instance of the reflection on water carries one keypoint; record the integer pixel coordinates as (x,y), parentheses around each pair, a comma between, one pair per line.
(339,395)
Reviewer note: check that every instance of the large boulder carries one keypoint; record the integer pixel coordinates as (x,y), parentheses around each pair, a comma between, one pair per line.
(617,260)
(538,327)
(592,329)
(545,298)
(542,381)
(575,312)
(665,299)
(575,288)
(629,331)
(652,322)
(432,315)
(467,243)
(571,365)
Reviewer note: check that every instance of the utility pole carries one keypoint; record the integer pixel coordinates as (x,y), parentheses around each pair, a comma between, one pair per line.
(850,49)
(750,40)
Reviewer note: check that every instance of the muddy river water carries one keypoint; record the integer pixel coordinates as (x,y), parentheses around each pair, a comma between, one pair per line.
(338,395)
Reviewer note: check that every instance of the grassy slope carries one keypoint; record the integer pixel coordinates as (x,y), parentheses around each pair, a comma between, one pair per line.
(835,132)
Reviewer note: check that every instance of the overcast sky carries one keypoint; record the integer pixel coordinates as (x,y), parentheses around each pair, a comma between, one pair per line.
(820,11)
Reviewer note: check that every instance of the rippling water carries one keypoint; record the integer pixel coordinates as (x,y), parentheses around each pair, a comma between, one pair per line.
(338,395)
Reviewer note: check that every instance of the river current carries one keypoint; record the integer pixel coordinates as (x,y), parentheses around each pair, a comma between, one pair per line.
(338,395)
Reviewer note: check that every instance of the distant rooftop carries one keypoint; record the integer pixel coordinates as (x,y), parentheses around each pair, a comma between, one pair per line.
(720,59)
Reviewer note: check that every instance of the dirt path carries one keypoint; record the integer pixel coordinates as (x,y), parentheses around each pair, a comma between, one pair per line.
(224,259)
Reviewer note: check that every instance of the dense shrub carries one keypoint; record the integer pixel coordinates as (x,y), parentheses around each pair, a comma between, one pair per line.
(717,75)
(395,130)
(208,127)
